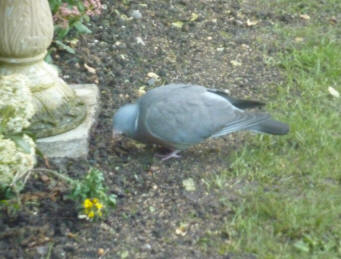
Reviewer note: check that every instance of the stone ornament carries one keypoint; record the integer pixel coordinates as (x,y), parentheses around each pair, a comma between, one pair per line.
(26,31)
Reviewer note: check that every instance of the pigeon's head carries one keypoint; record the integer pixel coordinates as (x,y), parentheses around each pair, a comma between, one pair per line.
(125,121)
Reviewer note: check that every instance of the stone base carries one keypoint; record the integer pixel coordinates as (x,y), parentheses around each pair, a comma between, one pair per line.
(74,143)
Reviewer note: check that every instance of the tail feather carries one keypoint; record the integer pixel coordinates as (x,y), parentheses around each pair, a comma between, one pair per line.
(241,104)
(271,126)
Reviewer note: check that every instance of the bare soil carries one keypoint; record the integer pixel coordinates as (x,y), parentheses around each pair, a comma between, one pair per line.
(155,216)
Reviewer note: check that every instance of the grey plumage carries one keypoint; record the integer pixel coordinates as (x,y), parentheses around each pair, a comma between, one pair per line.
(178,116)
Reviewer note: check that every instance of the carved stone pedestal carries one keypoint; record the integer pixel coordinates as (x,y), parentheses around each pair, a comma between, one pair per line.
(74,143)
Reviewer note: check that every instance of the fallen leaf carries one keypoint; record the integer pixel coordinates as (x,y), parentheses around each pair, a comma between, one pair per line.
(299,39)
(235,63)
(100,251)
(334,92)
(194,17)
(251,23)
(91,70)
(139,40)
(189,184)
(181,230)
(153,75)
(178,24)
(305,17)
(71,235)
(123,57)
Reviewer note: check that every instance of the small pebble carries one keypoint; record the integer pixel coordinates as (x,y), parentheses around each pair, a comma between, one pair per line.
(146,247)
(136,14)
(42,250)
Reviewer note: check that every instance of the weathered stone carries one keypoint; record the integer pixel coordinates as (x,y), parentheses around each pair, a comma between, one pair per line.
(74,143)
(26,31)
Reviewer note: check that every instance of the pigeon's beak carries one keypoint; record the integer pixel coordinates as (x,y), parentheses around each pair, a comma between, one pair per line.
(116,135)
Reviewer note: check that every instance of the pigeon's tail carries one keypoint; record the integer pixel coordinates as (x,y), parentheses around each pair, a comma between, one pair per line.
(271,126)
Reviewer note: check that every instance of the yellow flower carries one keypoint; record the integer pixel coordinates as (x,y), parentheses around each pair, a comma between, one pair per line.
(99,206)
(92,208)
(91,214)
(87,204)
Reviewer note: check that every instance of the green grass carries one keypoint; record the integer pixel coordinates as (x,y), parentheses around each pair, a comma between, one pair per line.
(294,7)
(294,207)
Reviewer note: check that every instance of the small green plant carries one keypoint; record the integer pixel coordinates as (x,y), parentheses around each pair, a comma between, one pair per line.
(69,14)
(9,201)
(90,194)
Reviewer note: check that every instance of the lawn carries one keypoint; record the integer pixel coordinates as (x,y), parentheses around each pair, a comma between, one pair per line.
(241,196)
(294,207)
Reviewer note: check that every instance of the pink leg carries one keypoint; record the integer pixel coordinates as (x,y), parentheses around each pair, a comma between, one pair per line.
(172,154)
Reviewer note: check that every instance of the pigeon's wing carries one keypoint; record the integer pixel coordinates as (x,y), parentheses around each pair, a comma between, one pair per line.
(241,104)
(246,120)
(169,116)
(189,114)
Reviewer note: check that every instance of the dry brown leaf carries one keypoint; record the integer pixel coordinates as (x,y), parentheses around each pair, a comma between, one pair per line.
(100,251)
(91,70)
(305,17)
(235,63)
(178,24)
(299,39)
(153,75)
(181,230)
(251,23)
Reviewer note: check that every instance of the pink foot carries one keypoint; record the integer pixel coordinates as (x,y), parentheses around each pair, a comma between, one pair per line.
(172,154)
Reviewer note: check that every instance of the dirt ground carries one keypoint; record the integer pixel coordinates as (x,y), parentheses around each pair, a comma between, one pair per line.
(218,45)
